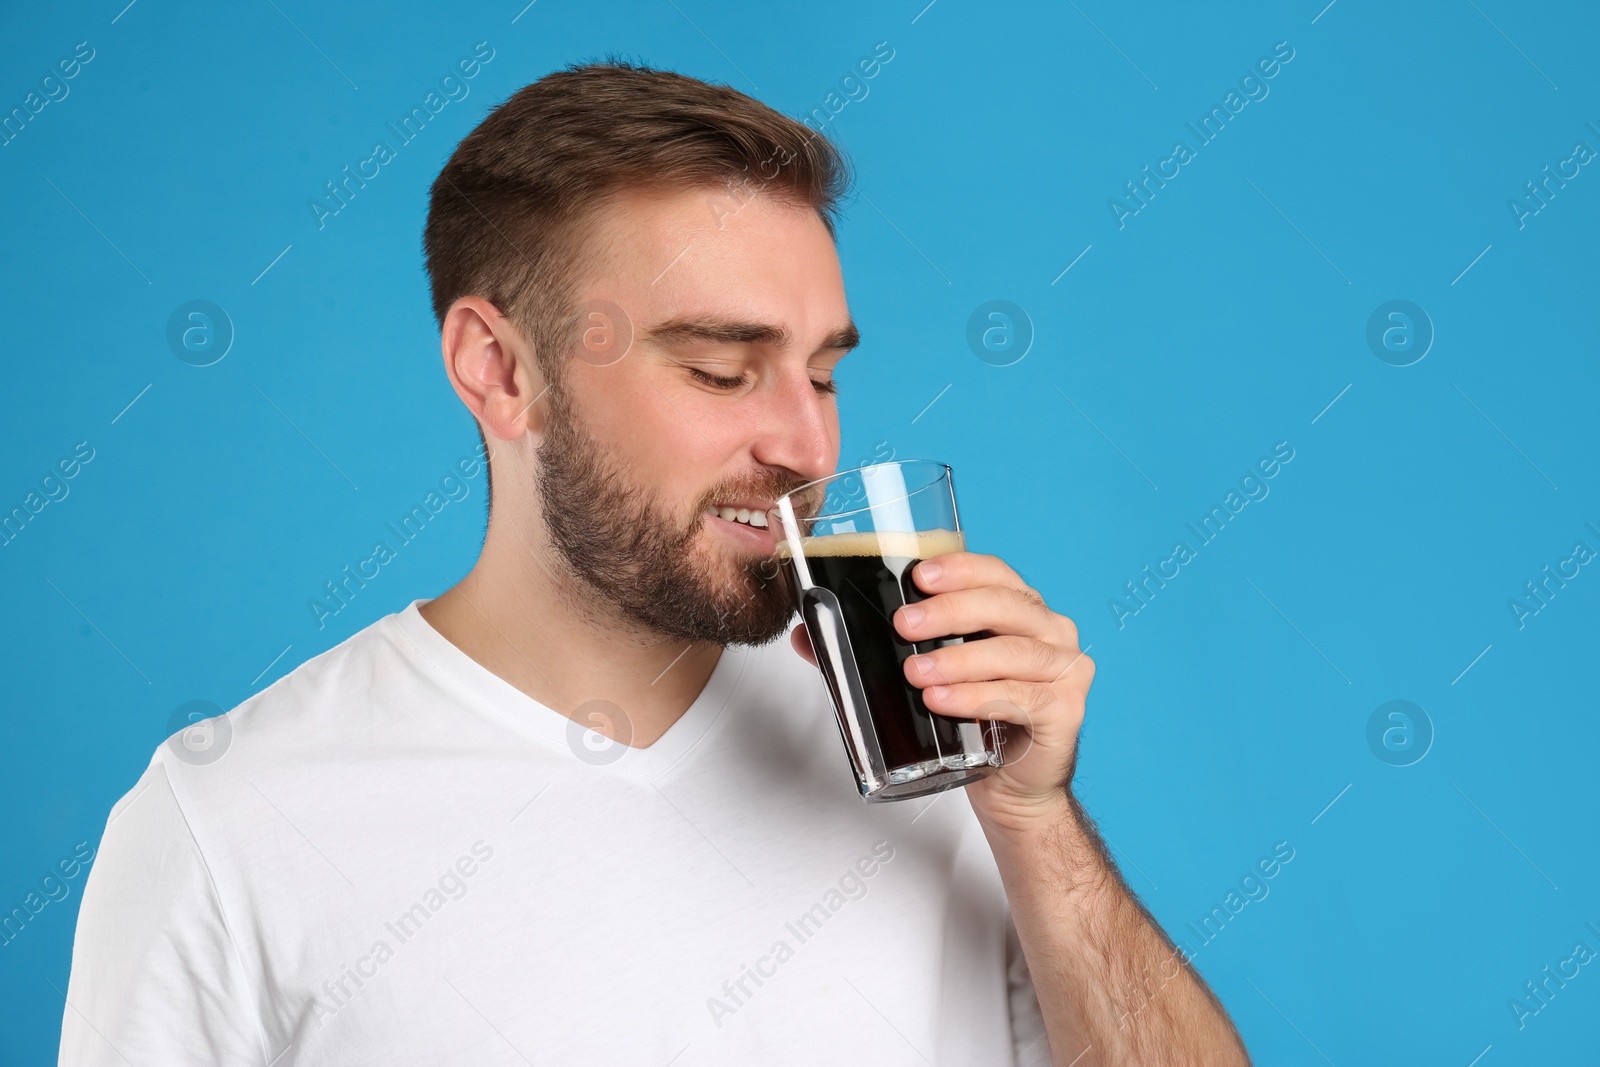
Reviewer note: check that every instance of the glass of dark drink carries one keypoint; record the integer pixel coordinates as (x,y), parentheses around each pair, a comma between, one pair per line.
(848,543)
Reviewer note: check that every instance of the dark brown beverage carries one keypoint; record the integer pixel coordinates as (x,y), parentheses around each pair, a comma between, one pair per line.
(868,577)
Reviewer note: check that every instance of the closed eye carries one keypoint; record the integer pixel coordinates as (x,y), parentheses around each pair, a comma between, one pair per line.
(718,382)
(829,387)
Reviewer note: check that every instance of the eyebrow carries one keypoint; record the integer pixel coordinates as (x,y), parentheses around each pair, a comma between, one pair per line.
(707,330)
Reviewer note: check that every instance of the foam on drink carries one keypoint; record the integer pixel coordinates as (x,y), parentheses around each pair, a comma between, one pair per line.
(922,544)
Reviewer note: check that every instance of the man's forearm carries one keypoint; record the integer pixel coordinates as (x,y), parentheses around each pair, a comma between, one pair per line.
(1111,987)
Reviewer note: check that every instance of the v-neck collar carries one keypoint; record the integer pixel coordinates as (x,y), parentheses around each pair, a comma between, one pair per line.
(583,746)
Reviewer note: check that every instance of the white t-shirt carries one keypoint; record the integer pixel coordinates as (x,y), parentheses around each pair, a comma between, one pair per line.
(399,858)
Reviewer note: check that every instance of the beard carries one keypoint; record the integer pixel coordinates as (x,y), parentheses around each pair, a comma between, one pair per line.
(640,559)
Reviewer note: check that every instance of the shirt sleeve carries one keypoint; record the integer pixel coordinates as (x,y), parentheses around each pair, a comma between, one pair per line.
(1030,1047)
(155,976)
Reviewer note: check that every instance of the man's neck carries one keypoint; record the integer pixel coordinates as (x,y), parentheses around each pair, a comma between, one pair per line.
(516,613)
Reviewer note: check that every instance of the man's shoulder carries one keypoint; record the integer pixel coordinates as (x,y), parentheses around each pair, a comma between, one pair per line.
(320,704)
(351,672)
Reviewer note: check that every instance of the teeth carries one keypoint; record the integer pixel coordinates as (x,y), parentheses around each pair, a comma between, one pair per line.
(747,516)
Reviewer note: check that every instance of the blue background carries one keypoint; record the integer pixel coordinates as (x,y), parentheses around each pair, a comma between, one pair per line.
(1224,317)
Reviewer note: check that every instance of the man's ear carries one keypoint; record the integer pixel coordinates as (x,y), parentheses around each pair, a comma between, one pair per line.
(491,365)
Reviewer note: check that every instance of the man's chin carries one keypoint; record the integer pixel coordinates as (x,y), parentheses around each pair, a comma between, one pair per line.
(766,633)
(753,613)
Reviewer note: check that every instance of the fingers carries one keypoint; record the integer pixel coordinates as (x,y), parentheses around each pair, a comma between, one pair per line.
(1004,656)
(958,570)
(999,609)
(1005,700)
(800,640)
(1034,705)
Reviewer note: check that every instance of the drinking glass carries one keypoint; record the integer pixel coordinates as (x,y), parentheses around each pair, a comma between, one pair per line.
(849,542)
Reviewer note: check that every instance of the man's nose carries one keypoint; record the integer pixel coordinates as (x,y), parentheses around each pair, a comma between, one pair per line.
(797,428)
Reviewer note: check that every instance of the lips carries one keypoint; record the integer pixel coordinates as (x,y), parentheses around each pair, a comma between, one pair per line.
(757,538)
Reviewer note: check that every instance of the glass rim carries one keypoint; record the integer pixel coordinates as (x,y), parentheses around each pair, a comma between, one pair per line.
(945,467)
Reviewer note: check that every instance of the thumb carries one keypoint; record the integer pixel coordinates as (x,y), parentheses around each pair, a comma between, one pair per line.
(800,639)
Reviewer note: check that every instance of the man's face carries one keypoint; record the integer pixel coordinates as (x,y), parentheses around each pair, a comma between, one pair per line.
(642,443)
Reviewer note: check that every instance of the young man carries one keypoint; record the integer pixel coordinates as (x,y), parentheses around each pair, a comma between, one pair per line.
(415,850)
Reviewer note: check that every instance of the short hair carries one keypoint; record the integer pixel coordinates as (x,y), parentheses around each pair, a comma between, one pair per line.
(509,212)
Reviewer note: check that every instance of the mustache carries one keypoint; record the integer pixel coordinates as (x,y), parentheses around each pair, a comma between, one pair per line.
(806,504)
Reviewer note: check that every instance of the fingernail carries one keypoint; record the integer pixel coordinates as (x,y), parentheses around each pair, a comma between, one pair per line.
(912,615)
(924,664)
(929,570)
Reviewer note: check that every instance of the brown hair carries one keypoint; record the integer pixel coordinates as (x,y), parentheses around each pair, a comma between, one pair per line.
(509,211)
